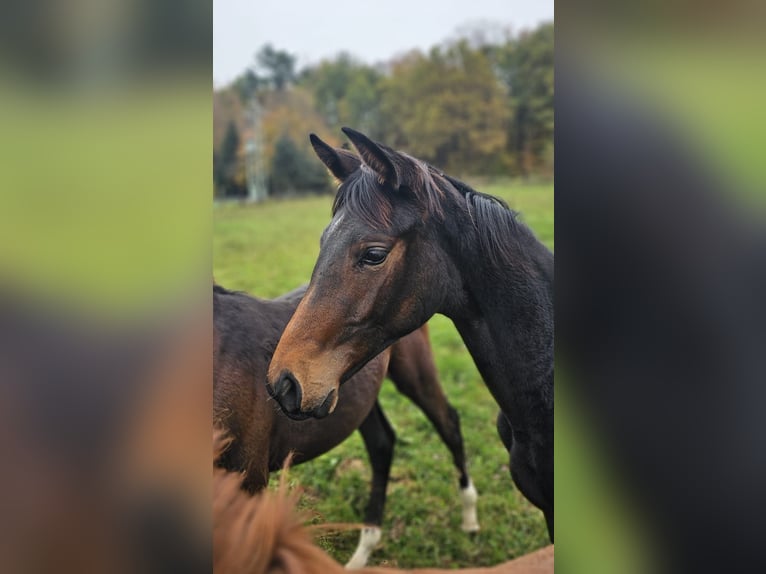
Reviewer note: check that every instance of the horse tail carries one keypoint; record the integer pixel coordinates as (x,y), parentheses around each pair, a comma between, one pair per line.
(262,534)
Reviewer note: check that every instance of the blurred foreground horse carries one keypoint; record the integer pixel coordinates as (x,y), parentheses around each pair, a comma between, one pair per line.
(265,534)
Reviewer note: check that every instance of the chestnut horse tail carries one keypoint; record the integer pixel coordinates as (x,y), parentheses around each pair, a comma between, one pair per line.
(262,534)
(265,534)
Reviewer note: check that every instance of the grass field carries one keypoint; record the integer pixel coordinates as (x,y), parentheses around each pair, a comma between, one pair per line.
(270,248)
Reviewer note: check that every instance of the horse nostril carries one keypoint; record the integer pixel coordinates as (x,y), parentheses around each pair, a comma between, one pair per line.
(324,409)
(288,393)
(282,386)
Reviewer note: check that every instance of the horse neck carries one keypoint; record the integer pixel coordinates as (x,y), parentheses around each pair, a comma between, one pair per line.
(496,287)
(505,317)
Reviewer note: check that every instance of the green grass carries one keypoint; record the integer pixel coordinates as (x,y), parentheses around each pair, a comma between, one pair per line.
(270,248)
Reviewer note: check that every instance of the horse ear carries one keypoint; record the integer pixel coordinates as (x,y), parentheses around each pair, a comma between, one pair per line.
(374,156)
(340,162)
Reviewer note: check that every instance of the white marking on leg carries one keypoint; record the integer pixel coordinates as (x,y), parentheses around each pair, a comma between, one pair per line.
(368,540)
(469,496)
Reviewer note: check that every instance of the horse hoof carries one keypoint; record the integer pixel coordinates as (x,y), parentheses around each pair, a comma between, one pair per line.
(470,528)
(368,540)
(469,497)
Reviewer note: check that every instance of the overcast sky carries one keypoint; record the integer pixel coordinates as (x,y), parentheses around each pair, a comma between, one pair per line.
(373,30)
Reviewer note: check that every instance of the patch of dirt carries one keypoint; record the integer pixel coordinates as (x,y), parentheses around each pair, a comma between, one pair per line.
(357,465)
(397,530)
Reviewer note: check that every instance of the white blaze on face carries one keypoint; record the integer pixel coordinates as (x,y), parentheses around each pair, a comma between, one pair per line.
(333,227)
(368,540)
(469,496)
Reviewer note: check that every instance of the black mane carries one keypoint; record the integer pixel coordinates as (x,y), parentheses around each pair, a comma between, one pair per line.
(222,290)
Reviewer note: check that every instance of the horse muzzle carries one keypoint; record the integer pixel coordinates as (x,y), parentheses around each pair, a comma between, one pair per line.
(289,395)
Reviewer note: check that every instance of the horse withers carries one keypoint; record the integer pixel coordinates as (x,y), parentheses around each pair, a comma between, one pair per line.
(407,241)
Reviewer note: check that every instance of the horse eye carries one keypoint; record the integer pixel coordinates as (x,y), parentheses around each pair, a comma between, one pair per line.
(374,256)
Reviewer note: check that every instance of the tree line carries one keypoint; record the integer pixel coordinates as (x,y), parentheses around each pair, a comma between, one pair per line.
(479,104)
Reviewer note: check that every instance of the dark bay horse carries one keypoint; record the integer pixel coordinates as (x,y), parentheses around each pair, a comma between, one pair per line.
(246,332)
(405,242)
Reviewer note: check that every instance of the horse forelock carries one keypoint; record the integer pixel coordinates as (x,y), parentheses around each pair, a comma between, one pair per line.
(363,197)
(366,197)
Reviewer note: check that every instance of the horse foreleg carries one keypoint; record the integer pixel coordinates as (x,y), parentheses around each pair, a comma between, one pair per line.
(379,439)
(256,475)
(412,370)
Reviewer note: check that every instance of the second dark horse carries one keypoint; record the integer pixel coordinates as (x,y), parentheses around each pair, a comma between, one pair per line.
(246,332)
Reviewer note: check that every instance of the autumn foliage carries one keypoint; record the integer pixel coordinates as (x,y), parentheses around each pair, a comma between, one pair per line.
(471,106)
